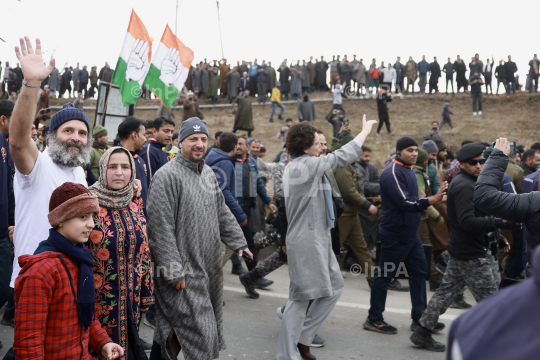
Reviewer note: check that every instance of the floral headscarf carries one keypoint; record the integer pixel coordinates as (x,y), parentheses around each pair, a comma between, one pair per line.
(107,197)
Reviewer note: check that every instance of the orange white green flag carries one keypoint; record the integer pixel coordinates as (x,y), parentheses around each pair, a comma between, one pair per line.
(169,69)
(134,61)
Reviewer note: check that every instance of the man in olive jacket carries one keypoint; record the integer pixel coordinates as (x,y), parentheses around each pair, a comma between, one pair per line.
(350,186)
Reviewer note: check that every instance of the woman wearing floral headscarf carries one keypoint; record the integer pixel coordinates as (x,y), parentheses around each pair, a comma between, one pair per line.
(122,273)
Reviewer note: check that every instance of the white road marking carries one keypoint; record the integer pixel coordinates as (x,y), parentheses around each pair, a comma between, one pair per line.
(339,303)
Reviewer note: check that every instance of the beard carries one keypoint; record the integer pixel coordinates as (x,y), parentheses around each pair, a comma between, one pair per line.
(60,154)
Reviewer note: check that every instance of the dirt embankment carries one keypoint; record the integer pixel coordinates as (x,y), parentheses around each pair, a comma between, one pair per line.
(515,117)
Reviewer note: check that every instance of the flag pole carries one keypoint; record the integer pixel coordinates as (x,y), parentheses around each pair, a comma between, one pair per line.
(220,37)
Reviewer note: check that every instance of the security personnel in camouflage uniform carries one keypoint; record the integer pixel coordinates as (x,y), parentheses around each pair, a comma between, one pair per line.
(468,247)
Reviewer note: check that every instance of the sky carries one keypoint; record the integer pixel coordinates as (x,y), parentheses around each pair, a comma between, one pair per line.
(92,32)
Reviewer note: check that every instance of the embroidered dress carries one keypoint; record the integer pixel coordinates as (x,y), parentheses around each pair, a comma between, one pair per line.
(122,273)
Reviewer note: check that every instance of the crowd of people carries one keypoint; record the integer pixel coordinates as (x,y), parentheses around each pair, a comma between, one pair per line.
(96,239)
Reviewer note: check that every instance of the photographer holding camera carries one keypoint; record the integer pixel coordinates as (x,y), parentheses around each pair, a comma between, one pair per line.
(468,247)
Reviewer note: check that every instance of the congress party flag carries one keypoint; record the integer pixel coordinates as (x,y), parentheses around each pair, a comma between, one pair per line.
(169,69)
(134,61)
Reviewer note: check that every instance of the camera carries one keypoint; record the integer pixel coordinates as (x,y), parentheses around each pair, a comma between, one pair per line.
(268,239)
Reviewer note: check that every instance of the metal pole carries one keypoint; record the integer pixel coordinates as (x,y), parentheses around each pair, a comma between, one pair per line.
(176,19)
(220,38)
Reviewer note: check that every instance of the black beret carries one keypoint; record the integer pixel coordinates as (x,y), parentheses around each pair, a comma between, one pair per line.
(470,151)
(405,142)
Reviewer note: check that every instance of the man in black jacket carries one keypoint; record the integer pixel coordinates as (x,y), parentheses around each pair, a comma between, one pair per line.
(511,68)
(468,247)
(523,208)
(488,71)
(435,70)
(383,99)
(500,74)
(461,79)
(449,70)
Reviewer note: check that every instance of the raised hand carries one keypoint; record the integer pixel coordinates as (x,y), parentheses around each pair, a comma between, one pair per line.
(138,65)
(367,125)
(33,68)
(170,67)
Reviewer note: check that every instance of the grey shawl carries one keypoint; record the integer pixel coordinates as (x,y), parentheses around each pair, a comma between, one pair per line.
(54,80)
(306,76)
(306,110)
(296,82)
(75,79)
(196,80)
(233,79)
(187,222)
(313,268)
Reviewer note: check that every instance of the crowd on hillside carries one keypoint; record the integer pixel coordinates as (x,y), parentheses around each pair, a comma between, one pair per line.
(95,240)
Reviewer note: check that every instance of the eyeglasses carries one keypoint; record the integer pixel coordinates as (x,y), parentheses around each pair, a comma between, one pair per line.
(474,162)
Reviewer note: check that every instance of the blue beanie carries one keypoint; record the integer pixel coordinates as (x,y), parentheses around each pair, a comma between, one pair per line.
(192,126)
(68,112)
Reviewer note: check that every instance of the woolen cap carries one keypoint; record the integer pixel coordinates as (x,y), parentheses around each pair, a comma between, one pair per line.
(99,131)
(470,151)
(430,146)
(70,200)
(192,126)
(405,142)
(422,156)
(440,145)
(68,113)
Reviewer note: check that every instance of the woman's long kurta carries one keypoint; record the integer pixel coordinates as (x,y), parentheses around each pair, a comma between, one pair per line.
(185,234)
(122,273)
(313,268)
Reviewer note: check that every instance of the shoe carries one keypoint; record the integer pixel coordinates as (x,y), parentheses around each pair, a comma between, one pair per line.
(271,120)
(249,285)
(480,113)
(280,311)
(263,283)
(146,346)
(317,342)
(304,352)
(474,113)
(150,322)
(438,327)
(434,283)
(239,270)
(9,323)
(422,337)
(460,303)
(280,117)
(380,327)
(378,134)
(396,286)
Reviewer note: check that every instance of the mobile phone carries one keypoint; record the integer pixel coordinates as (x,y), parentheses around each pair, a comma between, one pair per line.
(513,148)
(45,111)
(246,257)
(345,120)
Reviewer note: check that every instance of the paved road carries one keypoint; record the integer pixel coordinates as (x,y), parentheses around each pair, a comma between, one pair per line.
(252,326)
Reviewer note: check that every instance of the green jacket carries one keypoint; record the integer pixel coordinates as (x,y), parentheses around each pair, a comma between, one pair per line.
(421,178)
(351,187)
(516,175)
(95,156)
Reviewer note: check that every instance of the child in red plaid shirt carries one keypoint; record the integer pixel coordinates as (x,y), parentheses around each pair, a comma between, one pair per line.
(54,293)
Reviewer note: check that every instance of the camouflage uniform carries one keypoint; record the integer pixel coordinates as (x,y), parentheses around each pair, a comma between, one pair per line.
(476,274)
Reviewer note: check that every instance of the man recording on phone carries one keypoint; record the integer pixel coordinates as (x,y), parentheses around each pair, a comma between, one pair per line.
(337,119)
(468,247)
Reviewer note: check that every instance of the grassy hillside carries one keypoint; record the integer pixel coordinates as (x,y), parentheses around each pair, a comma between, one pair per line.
(516,117)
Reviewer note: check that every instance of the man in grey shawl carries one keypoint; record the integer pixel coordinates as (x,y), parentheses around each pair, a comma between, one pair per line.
(185,234)
(296,82)
(233,79)
(306,109)
(313,268)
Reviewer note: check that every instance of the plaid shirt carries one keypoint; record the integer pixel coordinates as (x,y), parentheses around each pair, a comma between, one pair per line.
(46,321)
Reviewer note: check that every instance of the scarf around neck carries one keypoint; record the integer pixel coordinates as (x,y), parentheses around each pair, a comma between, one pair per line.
(84,260)
(107,197)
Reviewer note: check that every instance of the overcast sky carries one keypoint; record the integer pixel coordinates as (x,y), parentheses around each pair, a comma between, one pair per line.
(273,30)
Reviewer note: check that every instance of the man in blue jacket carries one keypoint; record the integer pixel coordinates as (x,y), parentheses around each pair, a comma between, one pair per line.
(7,208)
(222,160)
(423,68)
(248,185)
(153,154)
(400,243)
